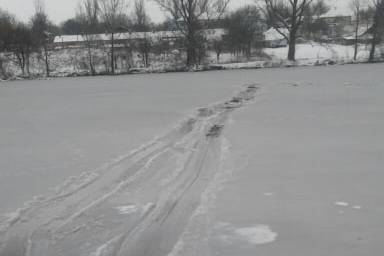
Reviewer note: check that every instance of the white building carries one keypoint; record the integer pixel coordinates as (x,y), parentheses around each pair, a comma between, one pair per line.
(74,41)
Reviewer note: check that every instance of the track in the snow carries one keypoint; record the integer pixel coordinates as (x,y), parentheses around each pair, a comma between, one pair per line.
(158,185)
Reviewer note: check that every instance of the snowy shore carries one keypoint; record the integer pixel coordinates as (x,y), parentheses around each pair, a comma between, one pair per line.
(72,62)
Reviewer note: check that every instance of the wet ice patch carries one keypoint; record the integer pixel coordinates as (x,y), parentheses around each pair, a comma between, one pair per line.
(256,235)
(342,204)
(260,234)
(132,208)
(127,209)
(347,205)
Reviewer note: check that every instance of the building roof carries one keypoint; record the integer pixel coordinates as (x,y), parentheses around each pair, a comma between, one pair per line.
(211,34)
(362,33)
(118,36)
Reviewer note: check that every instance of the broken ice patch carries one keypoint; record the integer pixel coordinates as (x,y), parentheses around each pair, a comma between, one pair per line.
(260,234)
(132,208)
(342,204)
(126,209)
(255,235)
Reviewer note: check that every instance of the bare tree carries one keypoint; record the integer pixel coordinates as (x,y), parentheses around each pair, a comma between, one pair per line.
(244,29)
(142,24)
(187,14)
(88,14)
(356,6)
(287,14)
(112,14)
(377,27)
(366,16)
(313,26)
(218,46)
(141,18)
(7,22)
(40,32)
(22,46)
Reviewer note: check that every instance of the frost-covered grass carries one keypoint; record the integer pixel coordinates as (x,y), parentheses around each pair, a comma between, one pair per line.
(308,54)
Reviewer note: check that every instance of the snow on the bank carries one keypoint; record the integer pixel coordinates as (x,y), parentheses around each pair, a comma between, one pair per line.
(307,54)
(317,51)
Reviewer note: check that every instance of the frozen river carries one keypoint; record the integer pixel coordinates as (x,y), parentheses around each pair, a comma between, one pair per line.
(128,166)
(51,130)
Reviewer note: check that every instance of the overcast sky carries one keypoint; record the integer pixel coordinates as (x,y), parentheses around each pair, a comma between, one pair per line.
(60,10)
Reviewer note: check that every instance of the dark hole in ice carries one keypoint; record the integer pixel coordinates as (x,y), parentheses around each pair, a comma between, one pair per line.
(205,112)
(215,130)
(236,100)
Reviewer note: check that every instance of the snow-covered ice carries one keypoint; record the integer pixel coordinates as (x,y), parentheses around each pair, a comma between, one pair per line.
(150,164)
(343,204)
(260,234)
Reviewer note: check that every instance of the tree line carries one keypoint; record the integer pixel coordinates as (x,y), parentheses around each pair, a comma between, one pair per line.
(293,19)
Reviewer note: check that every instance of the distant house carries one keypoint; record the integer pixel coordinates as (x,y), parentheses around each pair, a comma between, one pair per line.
(364,36)
(123,39)
(338,21)
(338,14)
(274,39)
(120,39)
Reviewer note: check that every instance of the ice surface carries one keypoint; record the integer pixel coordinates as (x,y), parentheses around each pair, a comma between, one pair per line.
(127,209)
(343,204)
(61,128)
(132,179)
(260,234)
(313,145)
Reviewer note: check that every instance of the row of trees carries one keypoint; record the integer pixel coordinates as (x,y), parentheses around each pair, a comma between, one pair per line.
(377,29)
(291,18)
(109,16)
(23,39)
(293,15)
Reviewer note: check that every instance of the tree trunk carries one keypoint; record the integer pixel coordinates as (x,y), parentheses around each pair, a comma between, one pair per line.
(292,49)
(112,54)
(191,59)
(356,37)
(146,58)
(356,48)
(292,45)
(90,60)
(191,46)
(23,62)
(46,60)
(20,62)
(27,64)
(374,42)
(2,71)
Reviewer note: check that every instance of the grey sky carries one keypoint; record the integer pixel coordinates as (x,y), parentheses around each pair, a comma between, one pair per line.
(59,10)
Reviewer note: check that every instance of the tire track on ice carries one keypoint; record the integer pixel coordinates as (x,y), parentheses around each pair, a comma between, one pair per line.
(161,183)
